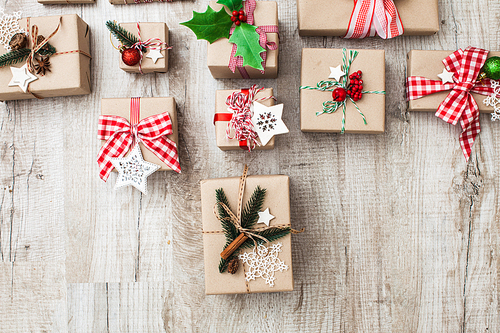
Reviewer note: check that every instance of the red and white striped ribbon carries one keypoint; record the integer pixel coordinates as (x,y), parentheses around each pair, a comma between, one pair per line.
(372,17)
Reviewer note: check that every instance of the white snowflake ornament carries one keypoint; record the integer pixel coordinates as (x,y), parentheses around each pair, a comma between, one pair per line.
(9,26)
(267,121)
(494,100)
(134,170)
(263,262)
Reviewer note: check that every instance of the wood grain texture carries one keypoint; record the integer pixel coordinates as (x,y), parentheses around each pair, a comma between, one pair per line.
(402,235)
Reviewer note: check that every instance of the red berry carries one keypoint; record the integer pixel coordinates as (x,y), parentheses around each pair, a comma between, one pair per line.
(131,57)
(233,18)
(360,87)
(242,18)
(241,12)
(339,94)
(359,72)
(237,22)
(360,81)
(235,12)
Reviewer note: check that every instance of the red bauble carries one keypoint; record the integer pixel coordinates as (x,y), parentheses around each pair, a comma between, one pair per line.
(131,57)
(339,94)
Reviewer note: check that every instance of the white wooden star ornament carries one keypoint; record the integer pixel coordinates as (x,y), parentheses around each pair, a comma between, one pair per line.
(21,77)
(154,54)
(265,217)
(446,76)
(134,170)
(267,121)
(336,73)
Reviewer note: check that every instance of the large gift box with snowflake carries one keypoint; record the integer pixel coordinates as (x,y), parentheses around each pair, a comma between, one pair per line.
(243,38)
(247,234)
(342,91)
(143,46)
(139,136)
(247,119)
(457,86)
(43,56)
(363,18)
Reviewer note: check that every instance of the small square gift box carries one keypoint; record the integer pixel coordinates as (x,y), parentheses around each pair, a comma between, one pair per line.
(43,56)
(363,18)
(457,86)
(243,38)
(247,119)
(247,234)
(144,46)
(139,136)
(342,91)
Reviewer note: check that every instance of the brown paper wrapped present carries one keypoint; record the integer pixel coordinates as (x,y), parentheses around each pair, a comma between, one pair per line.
(316,65)
(221,125)
(331,17)
(133,2)
(63,2)
(148,30)
(148,107)
(429,64)
(278,201)
(70,66)
(219,52)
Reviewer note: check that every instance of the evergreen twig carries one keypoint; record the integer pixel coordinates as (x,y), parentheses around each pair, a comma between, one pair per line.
(250,214)
(124,36)
(14,57)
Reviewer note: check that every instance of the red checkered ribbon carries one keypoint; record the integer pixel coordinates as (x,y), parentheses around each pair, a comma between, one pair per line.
(121,136)
(459,104)
(237,62)
(372,17)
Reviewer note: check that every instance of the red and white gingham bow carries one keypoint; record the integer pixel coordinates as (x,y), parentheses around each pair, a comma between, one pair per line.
(120,136)
(459,104)
(371,17)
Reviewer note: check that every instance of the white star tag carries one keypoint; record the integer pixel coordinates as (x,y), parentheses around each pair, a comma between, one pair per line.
(154,54)
(265,217)
(133,170)
(267,121)
(336,73)
(446,76)
(21,77)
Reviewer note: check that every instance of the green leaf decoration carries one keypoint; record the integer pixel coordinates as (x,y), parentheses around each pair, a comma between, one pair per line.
(124,36)
(247,40)
(210,25)
(250,213)
(231,4)
(14,57)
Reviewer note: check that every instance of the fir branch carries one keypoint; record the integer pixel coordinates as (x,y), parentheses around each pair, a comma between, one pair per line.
(250,214)
(47,53)
(14,57)
(124,36)
(224,263)
(269,234)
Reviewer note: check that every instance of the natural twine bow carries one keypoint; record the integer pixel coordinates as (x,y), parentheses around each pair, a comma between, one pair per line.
(236,219)
(37,47)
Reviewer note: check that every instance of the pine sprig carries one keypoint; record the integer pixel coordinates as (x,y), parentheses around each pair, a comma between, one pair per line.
(124,36)
(250,214)
(47,53)
(270,234)
(14,57)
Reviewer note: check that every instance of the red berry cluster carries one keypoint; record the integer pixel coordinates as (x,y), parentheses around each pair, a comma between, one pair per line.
(355,86)
(238,17)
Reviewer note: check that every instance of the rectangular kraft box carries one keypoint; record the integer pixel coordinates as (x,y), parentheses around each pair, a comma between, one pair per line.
(277,200)
(69,73)
(316,65)
(220,126)
(219,52)
(148,30)
(429,64)
(331,17)
(132,2)
(64,2)
(150,106)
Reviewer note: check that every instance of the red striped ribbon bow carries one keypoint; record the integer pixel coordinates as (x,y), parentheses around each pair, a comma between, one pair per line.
(459,104)
(121,136)
(237,62)
(372,17)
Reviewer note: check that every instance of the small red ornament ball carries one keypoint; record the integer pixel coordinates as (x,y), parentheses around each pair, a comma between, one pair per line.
(339,94)
(131,57)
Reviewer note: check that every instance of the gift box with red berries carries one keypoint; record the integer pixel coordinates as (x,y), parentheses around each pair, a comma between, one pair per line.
(342,91)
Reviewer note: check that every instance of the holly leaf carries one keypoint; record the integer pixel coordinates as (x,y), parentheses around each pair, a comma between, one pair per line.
(210,25)
(247,40)
(231,4)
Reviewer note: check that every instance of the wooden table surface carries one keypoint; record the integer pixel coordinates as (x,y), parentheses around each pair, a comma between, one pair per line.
(402,235)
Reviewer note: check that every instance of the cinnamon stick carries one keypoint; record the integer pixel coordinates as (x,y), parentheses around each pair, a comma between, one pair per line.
(238,241)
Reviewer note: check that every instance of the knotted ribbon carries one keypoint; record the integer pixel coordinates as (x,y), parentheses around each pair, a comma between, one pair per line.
(372,17)
(121,136)
(459,104)
(236,62)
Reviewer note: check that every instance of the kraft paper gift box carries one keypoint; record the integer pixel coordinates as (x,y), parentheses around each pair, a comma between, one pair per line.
(429,64)
(64,2)
(220,126)
(316,65)
(69,72)
(133,2)
(149,107)
(277,199)
(148,30)
(331,17)
(219,52)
